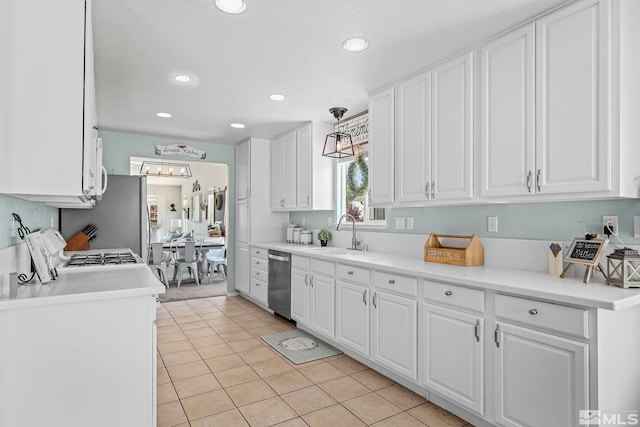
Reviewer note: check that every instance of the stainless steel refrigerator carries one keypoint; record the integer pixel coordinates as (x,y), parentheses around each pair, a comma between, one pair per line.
(121,216)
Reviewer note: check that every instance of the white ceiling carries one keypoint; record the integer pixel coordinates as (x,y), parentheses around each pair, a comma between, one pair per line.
(293,47)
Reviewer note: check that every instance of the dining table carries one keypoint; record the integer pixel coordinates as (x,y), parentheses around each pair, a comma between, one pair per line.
(202,246)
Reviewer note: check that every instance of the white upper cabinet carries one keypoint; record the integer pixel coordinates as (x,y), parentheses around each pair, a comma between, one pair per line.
(573,151)
(47,112)
(507,149)
(301,178)
(243,173)
(381,147)
(413,139)
(452,129)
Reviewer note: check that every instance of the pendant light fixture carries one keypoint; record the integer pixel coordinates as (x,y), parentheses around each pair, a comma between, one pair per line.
(338,144)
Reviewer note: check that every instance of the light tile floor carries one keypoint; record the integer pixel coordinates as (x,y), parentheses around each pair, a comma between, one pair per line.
(214,370)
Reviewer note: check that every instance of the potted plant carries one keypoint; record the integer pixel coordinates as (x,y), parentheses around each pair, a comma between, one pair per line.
(324,236)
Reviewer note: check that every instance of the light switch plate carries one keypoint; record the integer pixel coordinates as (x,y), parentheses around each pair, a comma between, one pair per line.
(636,226)
(400,223)
(409,223)
(492,224)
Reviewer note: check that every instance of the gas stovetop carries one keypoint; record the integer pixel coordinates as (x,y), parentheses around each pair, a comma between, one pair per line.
(102,259)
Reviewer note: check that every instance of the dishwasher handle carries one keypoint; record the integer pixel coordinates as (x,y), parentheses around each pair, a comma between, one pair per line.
(279,258)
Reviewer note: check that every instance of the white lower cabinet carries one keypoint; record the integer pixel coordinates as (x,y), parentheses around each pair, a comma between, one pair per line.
(300,296)
(313,294)
(453,355)
(395,337)
(259,283)
(242,268)
(352,316)
(323,302)
(540,378)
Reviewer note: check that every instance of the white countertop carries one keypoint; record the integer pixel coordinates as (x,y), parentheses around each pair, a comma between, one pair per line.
(570,290)
(86,284)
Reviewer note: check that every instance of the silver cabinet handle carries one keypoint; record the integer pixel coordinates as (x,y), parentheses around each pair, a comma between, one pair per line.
(350,273)
(538,180)
(364,297)
(311,280)
(306,279)
(496,336)
(375,300)
(257,273)
(308,203)
(426,190)
(392,282)
(257,283)
(533,311)
(448,293)
(529,181)
(433,189)
(476,331)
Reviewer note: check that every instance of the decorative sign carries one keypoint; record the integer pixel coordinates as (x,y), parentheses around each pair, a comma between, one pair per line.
(586,252)
(180,150)
(357,126)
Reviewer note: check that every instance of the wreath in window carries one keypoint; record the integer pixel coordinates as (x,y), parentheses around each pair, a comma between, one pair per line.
(354,188)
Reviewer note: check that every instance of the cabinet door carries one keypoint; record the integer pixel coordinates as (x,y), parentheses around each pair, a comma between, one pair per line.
(507,108)
(323,304)
(413,139)
(243,226)
(381,147)
(395,342)
(41,98)
(452,129)
(290,170)
(277,173)
(540,379)
(454,356)
(352,316)
(305,168)
(573,143)
(243,170)
(242,268)
(300,296)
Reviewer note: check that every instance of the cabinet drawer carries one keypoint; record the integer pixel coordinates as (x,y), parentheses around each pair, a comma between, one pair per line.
(260,264)
(456,296)
(259,253)
(299,262)
(395,282)
(353,274)
(560,318)
(259,274)
(323,267)
(259,290)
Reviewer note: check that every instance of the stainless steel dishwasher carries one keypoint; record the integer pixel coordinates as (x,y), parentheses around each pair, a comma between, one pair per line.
(280,283)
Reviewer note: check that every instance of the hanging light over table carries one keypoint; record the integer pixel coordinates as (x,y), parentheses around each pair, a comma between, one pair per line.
(165,169)
(338,144)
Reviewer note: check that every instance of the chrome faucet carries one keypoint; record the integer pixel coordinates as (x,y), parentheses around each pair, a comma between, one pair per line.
(354,242)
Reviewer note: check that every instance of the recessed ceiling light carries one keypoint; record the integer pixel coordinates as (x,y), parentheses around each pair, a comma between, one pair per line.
(163,115)
(183,78)
(237,125)
(355,44)
(277,97)
(231,6)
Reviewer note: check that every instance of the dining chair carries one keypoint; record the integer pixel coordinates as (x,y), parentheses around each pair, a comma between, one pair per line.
(186,258)
(158,262)
(217,261)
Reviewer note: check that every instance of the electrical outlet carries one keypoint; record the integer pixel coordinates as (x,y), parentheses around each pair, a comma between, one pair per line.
(304,221)
(400,223)
(610,224)
(492,224)
(409,223)
(636,226)
(329,222)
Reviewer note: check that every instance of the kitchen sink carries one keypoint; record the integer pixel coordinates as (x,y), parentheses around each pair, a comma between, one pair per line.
(329,251)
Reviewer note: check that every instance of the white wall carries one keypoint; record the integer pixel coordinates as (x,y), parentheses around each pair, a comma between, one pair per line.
(208,176)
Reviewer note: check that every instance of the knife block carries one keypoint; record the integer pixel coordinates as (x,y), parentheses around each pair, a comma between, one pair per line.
(79,242)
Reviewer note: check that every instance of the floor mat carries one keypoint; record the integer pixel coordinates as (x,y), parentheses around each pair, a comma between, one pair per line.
(190,290)
(299,346)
